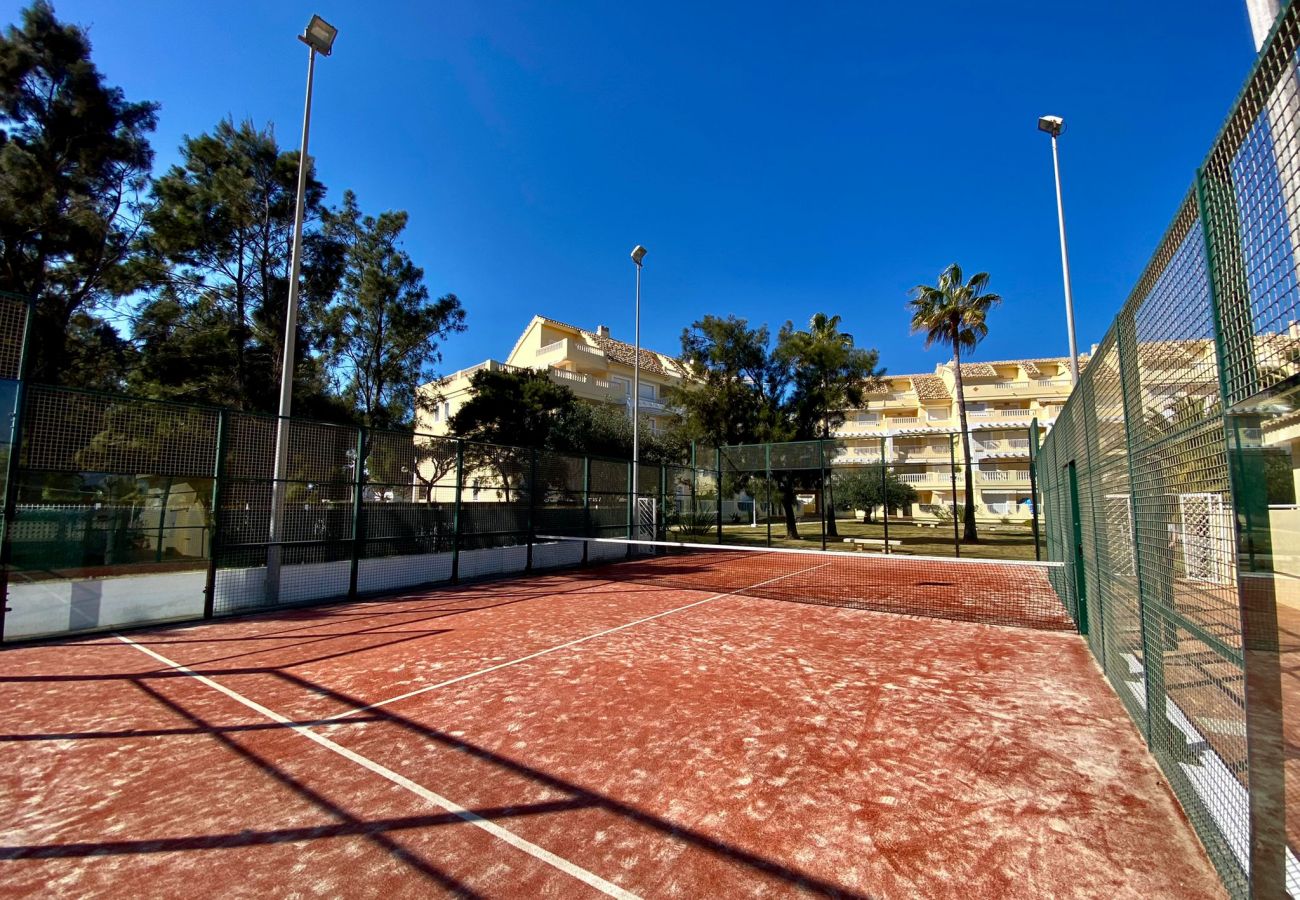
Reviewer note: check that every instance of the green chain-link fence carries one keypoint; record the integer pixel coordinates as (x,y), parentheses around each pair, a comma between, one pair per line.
(898,494)
(1169,487)
(123,511)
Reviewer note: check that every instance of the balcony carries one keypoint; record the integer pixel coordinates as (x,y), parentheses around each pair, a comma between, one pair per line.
(857,455)
(851,426)
(490,365)
(1001,476)
(1034,388)
(927,479)
(1005,447)
(588,387)
(989,418)
(926,453)
(995,389)
(572,353)
(647,404)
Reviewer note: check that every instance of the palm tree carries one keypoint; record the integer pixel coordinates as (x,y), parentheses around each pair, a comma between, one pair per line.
(952,313)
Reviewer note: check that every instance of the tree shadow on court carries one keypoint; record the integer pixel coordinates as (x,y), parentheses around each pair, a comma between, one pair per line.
(589,798)
(379,830)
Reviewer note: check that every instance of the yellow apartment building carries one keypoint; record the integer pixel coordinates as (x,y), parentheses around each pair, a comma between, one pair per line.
(592,364)
(912,421)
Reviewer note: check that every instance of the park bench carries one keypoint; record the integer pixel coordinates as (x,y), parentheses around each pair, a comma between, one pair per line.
(890,546)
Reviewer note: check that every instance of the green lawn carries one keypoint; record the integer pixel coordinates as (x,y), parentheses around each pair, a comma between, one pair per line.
(996,541)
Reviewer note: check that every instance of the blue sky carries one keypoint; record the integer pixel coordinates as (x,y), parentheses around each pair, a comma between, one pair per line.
(776,159)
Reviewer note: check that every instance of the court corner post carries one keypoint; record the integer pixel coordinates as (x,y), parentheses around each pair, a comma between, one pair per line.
(1236,337)
(214,515)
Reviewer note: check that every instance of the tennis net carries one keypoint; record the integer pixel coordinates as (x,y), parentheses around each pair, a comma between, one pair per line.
(998,592)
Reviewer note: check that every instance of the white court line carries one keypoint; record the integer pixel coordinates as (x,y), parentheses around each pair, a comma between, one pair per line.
(539,853)
(565,646)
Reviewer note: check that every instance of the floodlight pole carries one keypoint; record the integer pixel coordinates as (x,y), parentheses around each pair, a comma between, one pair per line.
(273,553)
(1065,262)
(638,254)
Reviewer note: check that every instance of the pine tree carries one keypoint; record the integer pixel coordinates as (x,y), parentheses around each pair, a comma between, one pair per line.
(74,162)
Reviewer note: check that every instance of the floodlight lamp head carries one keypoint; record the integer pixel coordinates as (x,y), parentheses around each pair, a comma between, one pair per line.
(319,35)
(1053,125)
(638,254)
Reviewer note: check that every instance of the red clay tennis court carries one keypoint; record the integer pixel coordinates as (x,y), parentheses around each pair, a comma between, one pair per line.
(600,731)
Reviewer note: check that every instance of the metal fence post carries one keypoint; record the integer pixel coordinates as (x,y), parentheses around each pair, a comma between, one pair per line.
(718,464)
(821,461)
(532,507)
(1033,483)
(1235,350)
(956,513)
(884,492)
(830,495)
(767,470)
(1153,678)
(586,499)
(358,503)
(661,532)
(695,486)
(214,537)
(455,511)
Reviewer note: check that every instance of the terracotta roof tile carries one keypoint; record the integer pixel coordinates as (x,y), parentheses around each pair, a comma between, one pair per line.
(622,352)
(930,387)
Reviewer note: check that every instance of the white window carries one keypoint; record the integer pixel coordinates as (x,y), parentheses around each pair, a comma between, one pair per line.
(621,385)
(647,391)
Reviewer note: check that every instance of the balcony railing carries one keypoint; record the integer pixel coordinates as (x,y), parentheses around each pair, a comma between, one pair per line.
(1002,475)
(649,405)
(999,413)
(566,348)
(996,446)
(915,477)
(934,478)
(601,387)
(590,351)
(491,365)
